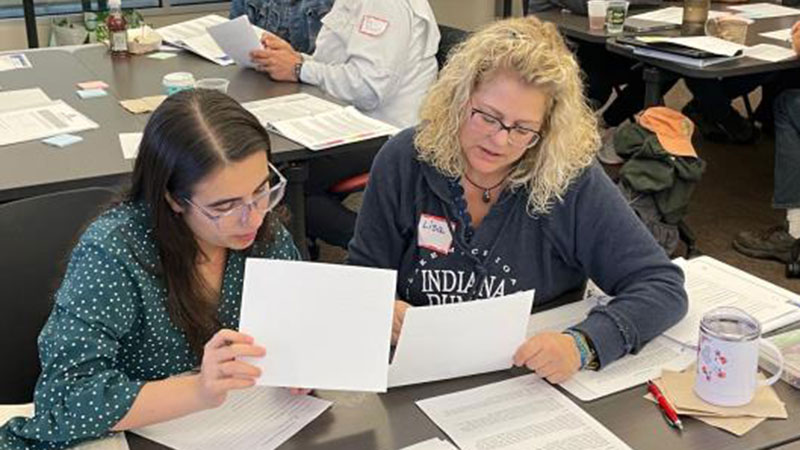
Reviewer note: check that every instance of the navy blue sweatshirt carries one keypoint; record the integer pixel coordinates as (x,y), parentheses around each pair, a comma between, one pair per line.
(592,233)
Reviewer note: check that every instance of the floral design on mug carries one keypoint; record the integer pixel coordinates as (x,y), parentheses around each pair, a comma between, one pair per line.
(713,364)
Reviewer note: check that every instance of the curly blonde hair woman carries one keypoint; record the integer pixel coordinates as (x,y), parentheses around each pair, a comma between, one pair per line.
(537,53)
(496,192)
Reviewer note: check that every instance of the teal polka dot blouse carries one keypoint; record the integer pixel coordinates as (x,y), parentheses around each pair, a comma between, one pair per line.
(109,331)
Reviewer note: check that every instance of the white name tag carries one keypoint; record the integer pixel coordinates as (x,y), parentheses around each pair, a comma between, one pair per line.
(373,26)
(434,234)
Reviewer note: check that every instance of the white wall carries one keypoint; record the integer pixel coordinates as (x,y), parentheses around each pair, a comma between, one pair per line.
(467,14)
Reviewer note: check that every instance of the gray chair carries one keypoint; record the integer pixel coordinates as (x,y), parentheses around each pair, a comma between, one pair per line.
(450,37)
(36,237)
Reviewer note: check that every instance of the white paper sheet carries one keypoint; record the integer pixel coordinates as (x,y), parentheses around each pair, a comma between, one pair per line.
(460,339)
(129,142)
(193,35)
(286,107)
(626,372)
(237,39)
(14,61)
(23,98)
(711,283)
(258,418)
(116,441)
(42,121)
(781,35)
(431,444)
(324,326)
(523,413)
(316,123)
(764,10)
(672,14)
(769,52)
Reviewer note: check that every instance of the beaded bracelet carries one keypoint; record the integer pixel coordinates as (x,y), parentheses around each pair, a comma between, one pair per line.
(584,351)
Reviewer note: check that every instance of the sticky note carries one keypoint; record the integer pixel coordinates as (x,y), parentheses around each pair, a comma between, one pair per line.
(162,55)
(62,140)
(91,93)
(93,85)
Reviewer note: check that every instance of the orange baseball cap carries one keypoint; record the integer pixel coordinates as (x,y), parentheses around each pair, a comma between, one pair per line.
(673,129)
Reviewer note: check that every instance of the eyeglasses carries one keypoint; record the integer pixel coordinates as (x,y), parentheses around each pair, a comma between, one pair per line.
(517,136)
(263,201)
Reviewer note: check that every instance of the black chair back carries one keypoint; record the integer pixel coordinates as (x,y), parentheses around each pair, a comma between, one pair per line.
(36,238)
(450,37)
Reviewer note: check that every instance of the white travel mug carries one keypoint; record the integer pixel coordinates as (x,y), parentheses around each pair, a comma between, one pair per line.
(727,357)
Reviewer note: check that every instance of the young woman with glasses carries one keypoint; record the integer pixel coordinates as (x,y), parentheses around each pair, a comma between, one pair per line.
(153,287)
(495,192)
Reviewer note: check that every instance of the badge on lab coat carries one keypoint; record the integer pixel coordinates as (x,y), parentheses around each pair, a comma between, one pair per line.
(434,234)
(373,26)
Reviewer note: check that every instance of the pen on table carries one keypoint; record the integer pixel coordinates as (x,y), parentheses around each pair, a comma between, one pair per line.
(668,410)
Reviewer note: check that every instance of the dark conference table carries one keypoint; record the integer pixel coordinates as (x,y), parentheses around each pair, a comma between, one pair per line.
(392,420)
(33,168)
(576,27)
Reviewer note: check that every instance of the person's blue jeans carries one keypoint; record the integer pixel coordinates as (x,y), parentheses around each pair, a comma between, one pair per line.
(787,150)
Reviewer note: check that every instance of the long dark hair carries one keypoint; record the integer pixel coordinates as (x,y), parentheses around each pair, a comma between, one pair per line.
(190,135)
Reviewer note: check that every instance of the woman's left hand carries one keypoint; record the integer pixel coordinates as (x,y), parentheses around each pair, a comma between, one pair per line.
(553,356)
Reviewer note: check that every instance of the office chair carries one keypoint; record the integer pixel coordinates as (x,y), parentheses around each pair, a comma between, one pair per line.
(36,237)
(450,37)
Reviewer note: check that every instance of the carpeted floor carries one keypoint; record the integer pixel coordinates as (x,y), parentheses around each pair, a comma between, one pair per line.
(734,194)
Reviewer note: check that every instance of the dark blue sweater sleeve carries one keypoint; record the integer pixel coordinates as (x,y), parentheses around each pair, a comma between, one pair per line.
(601,234)
(381,232)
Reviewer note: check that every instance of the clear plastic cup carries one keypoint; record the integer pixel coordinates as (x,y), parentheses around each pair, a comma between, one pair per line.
(597,14)
(217,84)
(731,28)
(615,16)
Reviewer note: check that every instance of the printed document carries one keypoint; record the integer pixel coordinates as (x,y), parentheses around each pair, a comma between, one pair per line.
(459,339)
(431,444)
(523,413)
(23,98)
(259,418)
(672,14)
(130,144)
(14,61)
(711,283)
(764,10)
(116,441)
(193,35)
(769,52)
(324,326)
(626,372)
(781,35)
(316,123)
(41,121)
(237,39)
(708,44)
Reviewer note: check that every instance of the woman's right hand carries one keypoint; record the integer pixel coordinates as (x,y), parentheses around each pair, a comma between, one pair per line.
(221,371)
(796,37)
(400,308)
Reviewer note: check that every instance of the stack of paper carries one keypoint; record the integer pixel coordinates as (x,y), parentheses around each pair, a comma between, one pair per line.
(316,123)
(523,413)
(257,418)
(672,14)
(193,35)
(678,388)
(29,114)
(764,10)
(711,283)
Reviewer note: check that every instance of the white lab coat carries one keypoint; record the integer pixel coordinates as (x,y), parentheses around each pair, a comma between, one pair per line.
(378,55)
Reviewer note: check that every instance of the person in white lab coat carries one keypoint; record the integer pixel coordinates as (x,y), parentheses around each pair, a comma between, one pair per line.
(378,55)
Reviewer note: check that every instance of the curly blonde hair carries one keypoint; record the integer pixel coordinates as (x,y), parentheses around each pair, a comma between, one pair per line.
(536,52)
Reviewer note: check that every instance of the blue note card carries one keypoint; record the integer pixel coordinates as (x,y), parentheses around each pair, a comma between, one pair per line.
(62,140)
(91,93)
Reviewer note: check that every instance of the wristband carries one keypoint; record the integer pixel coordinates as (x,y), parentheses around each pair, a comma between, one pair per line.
(588,357)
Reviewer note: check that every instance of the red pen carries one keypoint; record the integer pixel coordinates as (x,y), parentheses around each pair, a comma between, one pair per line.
(668,410)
